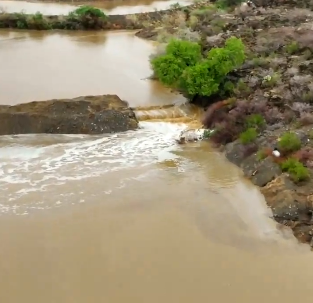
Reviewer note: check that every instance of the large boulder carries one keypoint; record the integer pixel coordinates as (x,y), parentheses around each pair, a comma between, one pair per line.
(82,115)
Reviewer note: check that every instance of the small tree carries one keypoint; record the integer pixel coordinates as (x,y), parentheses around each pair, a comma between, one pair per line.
(179,55)
(183,66)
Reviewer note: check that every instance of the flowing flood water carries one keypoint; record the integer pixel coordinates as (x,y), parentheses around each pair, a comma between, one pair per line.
(130,217)
(40,66)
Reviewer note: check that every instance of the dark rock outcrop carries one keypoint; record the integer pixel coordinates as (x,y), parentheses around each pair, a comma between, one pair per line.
(291,203)
(82,115)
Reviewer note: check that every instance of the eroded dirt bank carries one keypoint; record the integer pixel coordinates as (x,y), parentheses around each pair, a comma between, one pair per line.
(82,115)
(274,85)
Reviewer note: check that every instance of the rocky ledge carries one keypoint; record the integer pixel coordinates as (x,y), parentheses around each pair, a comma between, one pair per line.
(291,202)
(82,115)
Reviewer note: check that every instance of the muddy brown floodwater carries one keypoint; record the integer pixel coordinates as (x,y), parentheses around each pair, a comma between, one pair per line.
(134,218)
(130,217)
(39,65)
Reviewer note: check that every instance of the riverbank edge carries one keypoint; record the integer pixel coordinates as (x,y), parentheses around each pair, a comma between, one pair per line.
(135,21)
(291,203)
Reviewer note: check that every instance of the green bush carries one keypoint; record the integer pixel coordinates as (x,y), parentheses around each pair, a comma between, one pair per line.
(289,142)
(183,66)
(255,120)
(197,80)
(88,17)
(296,169)
(21,20)
(32,21)
(292,47)
(248,136)
(179,55)
(90,11)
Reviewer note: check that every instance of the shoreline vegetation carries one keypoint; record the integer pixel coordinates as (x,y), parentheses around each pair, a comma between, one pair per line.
(87,17)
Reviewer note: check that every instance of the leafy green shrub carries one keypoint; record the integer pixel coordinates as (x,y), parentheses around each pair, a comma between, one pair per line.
(248,136)
(179,55)
(89,17)
(255,120)
(242,89)
(183,66)
(297,171)
(90,11)
(207,133)
(21,22)
(261,155)
(292,47)
(289,142)
(271,80)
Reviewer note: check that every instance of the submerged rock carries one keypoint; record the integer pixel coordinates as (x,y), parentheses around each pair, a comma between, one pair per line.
(82,115)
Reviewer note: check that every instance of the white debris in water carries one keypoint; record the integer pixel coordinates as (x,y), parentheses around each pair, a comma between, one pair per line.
(192,135)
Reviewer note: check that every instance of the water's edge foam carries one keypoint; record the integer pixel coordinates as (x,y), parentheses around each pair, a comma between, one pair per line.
(31,163)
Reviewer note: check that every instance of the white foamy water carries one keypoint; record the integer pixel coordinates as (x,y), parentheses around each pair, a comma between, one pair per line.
(40,172)
(37,163)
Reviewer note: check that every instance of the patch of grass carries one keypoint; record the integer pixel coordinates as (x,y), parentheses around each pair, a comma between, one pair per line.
(310,134)
(255,121)
(89,11)
(248,136)
(289,142)
(205,10)
(297,171)
(292,48)
(88,17)
(207,134)
(261,155)
(242,88)
(21,21)
(271,80)
(32,21)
